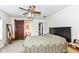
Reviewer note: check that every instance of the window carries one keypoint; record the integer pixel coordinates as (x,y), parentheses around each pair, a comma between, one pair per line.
(40,28)
(0,29)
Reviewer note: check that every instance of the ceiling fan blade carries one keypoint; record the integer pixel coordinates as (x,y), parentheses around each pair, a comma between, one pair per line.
(25,13)
(22,8)
(37,12)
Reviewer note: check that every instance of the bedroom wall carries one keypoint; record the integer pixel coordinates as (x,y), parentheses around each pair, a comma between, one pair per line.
(5,19)
(34,31)
(69,16)
(35,27)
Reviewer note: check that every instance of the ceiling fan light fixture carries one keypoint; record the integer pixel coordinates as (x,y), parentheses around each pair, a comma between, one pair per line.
(30,15)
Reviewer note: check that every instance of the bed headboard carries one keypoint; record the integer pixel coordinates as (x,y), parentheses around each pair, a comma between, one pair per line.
(61,31)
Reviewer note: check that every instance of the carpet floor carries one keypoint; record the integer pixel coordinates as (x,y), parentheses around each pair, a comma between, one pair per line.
(15,47)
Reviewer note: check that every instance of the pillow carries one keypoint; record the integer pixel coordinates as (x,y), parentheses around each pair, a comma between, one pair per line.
(47,34)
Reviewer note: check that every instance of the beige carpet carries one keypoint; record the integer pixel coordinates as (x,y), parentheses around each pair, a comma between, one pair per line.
(15,47)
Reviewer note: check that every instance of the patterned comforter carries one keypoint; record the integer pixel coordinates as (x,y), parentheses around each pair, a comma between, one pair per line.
(45,44)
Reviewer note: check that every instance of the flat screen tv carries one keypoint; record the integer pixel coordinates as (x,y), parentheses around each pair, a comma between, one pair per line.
(61,31)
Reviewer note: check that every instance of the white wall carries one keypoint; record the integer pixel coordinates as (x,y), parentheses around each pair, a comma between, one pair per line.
(34,31)
(35,27)
(5,19)
(0,28)
(69,16)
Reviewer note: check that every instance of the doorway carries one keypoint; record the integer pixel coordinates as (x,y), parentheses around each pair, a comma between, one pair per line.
(19,29)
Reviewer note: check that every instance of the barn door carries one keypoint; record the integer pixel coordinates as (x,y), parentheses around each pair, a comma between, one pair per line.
(19,29)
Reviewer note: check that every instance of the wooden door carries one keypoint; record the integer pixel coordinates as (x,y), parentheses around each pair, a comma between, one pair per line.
(19,29)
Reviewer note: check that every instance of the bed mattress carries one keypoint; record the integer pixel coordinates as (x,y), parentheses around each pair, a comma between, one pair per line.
(45,44)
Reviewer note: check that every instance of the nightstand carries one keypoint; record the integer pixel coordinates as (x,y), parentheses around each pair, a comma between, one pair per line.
(73,48)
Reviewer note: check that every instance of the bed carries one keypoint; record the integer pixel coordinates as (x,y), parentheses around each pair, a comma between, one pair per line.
(48,43)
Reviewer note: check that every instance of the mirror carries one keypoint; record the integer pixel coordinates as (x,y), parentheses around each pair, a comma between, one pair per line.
(10,38)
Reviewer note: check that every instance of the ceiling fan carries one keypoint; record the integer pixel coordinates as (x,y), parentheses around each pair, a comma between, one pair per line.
(30,11)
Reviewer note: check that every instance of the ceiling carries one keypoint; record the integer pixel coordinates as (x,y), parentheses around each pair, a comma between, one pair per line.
(46,10)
